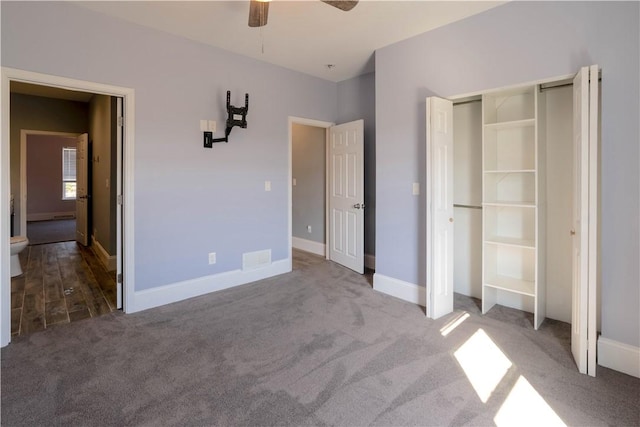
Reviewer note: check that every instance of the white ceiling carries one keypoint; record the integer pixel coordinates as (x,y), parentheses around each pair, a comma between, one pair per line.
(303,35)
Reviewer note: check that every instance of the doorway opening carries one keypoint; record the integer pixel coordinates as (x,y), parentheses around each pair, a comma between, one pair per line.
(110,173)
(66,206)
(308,183)
(47,168)
(343,190)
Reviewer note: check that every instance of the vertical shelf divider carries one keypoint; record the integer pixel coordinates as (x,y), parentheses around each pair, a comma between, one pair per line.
(513,201)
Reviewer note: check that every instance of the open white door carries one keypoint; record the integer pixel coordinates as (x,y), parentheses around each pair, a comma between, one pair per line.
(118,160)
(585,135)
(82,189)
(594,115)
(346,195)
(439,207)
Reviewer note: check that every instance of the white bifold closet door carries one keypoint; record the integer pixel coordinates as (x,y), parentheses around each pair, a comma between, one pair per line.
(439,207)
(584,232)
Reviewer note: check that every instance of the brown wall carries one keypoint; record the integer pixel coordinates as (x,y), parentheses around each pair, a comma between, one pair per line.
(44,175)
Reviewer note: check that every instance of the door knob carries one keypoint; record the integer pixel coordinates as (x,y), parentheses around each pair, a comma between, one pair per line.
(450,219)
(359,206)
(572,232)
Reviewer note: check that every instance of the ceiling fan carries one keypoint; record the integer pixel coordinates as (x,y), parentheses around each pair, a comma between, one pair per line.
(259,9)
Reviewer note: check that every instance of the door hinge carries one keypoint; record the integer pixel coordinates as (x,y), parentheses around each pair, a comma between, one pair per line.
(119,199)
(119,278)
(120,121)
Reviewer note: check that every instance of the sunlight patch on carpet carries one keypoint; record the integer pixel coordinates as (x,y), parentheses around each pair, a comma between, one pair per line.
(446,329)
(525,407)
(483,362)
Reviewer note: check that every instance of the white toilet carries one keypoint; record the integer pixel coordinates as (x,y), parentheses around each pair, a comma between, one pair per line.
(18,243)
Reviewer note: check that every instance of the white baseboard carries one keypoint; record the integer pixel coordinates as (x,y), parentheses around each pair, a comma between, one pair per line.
(150,298)
(47,216)
(109,261)
(370,261)
(619,356)
(308,246)
(400,289)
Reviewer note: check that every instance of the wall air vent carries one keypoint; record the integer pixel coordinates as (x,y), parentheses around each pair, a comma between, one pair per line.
(257,259)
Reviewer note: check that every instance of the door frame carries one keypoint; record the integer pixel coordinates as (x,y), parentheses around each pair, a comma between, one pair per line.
(127,254)
(24,136)
(326,126)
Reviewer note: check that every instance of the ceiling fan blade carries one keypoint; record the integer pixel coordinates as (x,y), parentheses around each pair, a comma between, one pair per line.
(258,13)
(345,5)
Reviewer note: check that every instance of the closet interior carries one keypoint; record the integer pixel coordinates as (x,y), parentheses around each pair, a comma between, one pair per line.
(513,186)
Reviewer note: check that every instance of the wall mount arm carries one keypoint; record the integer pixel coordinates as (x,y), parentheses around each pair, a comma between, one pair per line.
(236,116)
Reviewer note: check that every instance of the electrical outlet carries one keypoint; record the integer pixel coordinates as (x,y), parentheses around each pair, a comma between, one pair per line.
(212,258)
(308,229)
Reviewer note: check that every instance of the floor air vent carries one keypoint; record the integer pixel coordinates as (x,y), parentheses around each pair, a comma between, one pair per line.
(257,259)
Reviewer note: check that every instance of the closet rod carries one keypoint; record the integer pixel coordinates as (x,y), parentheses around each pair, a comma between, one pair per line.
(466,206)
(467,102)
(543,88)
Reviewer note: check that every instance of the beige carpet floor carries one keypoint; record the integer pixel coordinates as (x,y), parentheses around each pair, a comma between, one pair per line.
(317,346)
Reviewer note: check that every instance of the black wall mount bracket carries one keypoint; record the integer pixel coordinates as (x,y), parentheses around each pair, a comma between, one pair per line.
(236,116)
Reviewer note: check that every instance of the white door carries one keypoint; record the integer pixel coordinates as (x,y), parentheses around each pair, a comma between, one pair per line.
(439,207)
(118,160)
(585,135)
(346,195)
(82,190)
(594,119)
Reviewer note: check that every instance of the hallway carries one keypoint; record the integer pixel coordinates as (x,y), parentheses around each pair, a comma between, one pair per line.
(62,282)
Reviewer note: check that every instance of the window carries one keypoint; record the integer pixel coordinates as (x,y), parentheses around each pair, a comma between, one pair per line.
(68,173)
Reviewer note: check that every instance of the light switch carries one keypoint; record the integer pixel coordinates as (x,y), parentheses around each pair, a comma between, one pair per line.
(416,188)
(204,124)
(212,126)
(294,182)
(267,186)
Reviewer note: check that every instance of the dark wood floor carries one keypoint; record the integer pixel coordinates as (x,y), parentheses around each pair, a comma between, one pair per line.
(61,283)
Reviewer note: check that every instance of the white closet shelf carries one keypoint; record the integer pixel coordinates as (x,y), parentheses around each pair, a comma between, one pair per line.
(511,124)
(511,284)
(511,241)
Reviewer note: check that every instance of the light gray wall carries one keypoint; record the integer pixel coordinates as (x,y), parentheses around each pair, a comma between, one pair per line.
(309,171)
(511,44)
(102,196)
(189,200)
(37,113)
(44,174)
(357,100)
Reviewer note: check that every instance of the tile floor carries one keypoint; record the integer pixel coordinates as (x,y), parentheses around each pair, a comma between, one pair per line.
(61,283)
